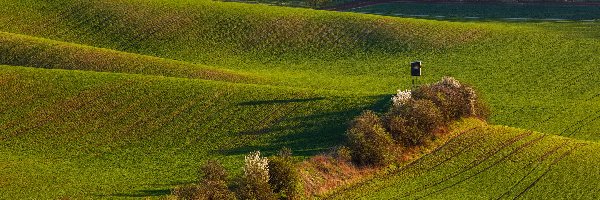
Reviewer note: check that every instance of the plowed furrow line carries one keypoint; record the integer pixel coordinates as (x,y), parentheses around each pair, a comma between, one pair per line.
(513,152)
(548,170)
(404,168)
(579,123)
(539,163)
(583,125)
(454,155)
(471,165)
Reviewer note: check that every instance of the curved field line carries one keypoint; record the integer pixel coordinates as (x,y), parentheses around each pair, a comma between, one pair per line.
(159,123)
(582,125)
(471,130)
(454,155)
(264,124)
(217,96)
(577,123)
(539,163)
(548,170)
(259,123)
(111,108)
(572,82)
(513,152)
(471,165)
(552,91)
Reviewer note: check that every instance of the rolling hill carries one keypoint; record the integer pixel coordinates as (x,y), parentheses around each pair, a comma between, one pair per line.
(492,162)
(85,134)
(124,98)
(527,64)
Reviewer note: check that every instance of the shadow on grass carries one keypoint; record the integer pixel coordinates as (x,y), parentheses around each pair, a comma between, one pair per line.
(144,193)
(280,101)
(162,190)
(312,134)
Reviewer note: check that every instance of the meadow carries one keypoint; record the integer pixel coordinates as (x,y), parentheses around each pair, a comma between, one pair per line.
(124,98)
(89,134)
(492,162)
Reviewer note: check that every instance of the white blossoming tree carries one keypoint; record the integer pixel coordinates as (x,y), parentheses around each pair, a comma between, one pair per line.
(256,167)
(401,98)
(255,183)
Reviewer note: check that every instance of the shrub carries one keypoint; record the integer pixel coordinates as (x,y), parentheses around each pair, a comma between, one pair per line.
(255,183)
(212,171)
(187,192)
(369,142)
(414,122)
(212,184)
(283,176)
(214,181)
(343,154)
(455,100)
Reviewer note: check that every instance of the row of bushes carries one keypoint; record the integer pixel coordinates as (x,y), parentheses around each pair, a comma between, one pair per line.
(263,179)
(373,140)
(413,119)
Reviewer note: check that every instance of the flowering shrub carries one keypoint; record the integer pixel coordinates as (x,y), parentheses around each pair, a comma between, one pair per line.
(448,81)
(414,122)
(401,97)
(256,167)
(455,100)
(255,183)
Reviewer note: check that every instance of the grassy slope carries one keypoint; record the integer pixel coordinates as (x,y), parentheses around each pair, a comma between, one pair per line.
(125,135)
(493,162)
(526,64)
(75,133)
(21,50)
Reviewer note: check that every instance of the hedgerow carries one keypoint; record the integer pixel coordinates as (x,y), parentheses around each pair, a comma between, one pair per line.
(368,140)
(413,119)
(414,122)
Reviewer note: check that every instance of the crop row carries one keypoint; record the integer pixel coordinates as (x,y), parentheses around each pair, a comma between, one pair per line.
(507,165)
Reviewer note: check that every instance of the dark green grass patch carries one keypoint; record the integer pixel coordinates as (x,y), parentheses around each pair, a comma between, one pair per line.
(20,50)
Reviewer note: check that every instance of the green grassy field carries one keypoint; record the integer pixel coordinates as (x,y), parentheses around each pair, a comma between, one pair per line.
(135,94)
(89,134)
(493,162)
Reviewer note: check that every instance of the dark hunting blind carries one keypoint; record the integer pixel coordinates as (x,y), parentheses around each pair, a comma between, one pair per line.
(415,72)
(415,68)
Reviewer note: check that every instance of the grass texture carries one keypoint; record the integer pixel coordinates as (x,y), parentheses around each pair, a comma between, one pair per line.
(125,98)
